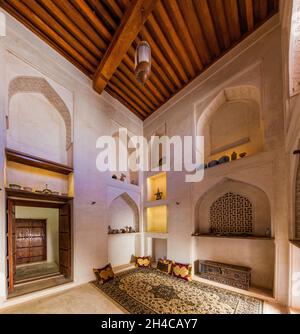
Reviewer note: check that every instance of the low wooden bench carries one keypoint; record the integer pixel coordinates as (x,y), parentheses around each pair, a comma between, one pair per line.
(236,276)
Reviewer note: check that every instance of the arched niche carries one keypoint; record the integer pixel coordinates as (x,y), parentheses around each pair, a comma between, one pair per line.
(34,104)
(237,203)
(123,211)
(232,122)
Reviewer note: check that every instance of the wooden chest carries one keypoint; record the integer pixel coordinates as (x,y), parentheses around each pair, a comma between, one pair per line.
(236,276)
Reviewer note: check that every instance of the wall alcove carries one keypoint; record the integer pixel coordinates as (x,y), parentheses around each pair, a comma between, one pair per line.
(123,211)
(232,123)
(34,103)
(233,207)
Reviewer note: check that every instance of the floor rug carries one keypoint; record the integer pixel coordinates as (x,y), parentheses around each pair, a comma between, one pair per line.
(149,291)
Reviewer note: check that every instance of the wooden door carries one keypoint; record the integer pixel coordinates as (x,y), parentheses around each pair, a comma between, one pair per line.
(65,240)
(11,244)
(31,240)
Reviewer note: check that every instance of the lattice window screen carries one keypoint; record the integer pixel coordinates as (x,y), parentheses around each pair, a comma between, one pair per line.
(231,213)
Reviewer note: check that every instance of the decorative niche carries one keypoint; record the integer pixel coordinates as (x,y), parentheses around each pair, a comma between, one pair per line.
(233,208)
(232,125)
(123,215)
(157,187)
(157,219)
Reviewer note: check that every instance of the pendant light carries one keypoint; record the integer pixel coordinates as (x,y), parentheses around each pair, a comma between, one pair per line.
(143,61)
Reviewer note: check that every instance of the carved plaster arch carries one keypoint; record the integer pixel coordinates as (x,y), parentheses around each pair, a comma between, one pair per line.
(29,84)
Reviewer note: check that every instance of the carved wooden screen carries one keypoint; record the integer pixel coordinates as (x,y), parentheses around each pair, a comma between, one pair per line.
(231,213)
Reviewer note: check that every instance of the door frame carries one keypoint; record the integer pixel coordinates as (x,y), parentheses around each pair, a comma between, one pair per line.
(11,203)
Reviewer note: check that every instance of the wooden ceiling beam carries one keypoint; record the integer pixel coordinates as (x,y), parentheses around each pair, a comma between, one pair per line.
(183,32)
(141,94)
(131,24)
(131,94)
(195,29)
(50,33)
(168,50)
(167,25)
(217,7)
(233,20)
(64,20)
(57,27)
(206,20)
(249,15)
(98,25)
(124,96)
(263,9)
(82,23)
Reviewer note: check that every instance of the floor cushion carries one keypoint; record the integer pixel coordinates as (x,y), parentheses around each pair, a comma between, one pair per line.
(183,271)
(104,274)
(165,266)
(143,262)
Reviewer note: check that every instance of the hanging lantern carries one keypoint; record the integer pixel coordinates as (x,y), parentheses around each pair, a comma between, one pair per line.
(142,61)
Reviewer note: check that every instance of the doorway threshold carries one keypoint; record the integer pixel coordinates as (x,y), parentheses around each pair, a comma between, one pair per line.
(38,285)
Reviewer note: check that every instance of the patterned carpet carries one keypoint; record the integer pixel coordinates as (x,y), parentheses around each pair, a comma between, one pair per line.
(149,291)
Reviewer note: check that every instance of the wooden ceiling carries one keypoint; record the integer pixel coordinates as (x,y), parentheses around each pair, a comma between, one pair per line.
(100,37)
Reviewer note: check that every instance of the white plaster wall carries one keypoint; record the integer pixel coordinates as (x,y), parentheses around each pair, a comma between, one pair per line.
(256,62)
(52,217)
(92,116)
(256,254)
(159,249)
(295,277)
(122,248)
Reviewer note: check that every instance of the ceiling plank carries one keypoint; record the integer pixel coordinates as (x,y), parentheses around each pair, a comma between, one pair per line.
(168,50)
(167,25)
(130,26)
(232,14)
(64,20)
(82,23)
(206,20)
(50,33)
(249,14)
(195,29)
(263,9)
(182,30)
(125,97)
(217,7)
(56,26)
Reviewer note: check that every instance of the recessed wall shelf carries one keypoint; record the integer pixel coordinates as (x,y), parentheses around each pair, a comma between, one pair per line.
(157,219)
(157,184)
(232,237)
(33,161)
(37,196)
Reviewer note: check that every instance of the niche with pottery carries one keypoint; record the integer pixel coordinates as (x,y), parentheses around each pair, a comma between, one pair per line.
(232,126)
(123,243)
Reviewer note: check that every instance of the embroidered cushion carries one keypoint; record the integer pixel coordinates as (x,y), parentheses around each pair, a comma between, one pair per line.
(143,262)
(105,274)
(183,271)
(165,266)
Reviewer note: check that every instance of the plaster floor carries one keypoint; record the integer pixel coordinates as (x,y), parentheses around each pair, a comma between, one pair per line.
(86,299)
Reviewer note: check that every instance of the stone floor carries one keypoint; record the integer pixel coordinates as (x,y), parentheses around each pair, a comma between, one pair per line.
(30,271)
(86,299)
